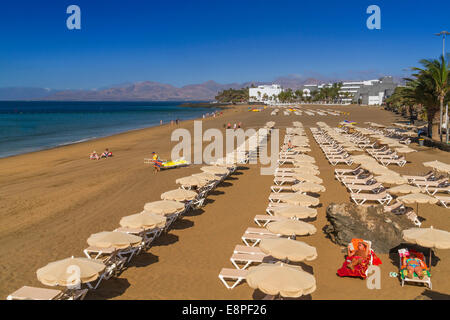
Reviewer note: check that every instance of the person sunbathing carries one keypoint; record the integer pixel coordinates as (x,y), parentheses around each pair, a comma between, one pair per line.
(107,153)
(414,264)
(94,156)
(289,146)
(358,255)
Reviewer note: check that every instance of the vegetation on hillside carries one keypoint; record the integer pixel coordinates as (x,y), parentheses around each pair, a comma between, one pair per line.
(233,96)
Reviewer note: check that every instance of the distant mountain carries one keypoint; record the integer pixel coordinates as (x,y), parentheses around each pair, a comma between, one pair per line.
(149,91)
(24,93)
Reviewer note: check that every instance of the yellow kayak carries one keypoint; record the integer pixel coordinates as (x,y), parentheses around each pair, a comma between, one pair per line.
(176,163)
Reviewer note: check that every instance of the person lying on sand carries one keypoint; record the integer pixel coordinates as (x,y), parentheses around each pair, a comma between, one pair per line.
(359,255)
(289,146)
(414,264)
(107,153)
(94,156)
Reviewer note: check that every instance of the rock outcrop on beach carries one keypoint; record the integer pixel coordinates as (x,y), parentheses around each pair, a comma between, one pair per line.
(347,221)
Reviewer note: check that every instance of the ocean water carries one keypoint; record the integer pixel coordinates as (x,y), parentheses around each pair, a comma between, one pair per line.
(38,125)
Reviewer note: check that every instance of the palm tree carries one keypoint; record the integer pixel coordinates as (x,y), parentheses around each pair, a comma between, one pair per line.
(421,90)
(438,71)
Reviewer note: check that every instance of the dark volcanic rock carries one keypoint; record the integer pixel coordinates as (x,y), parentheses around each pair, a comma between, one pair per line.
(347,221)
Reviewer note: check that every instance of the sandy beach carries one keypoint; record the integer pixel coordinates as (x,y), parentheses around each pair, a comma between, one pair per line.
(51,201)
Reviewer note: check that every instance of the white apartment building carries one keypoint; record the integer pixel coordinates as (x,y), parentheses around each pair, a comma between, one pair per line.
(370,92)
(264,93)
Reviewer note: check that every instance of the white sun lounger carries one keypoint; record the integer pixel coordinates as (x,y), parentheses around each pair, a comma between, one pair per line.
(253,239)
(263,220)
(433,190)
(109,256)
(381,198)
(34,293)
(357,188)
(426,280)
(244,260)
(281,181)
(278,189)
(425,177)
(354,180)
(234,275)
(399,161)
(444,200)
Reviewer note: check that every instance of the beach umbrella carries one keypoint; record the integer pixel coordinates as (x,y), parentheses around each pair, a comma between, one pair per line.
(376,168)
(60,273)
(377,135)
(304,169)
(301,149)
(403,189)
(179,195)
(301,200)
(143,220)
(281,279)
(307,177)
(191,181)
(391,179)
(293,211)
(288,250)
(438,165)
(164,207)
(417,198)
(215,170)
(112,239)
(208,177)
(302,165)
(362,159)
(291,227)
(352,149)
(304,158)
(428,238)
(229,161)
(308,187)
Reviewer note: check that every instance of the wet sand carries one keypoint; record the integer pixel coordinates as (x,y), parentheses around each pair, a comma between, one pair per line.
(51,201)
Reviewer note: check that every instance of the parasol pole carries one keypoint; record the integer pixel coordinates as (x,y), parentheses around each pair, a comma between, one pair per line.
(430,259)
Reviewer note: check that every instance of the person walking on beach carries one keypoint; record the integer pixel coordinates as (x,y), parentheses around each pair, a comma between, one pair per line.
(229,125)
(176,121)
(156,163)
(234,126)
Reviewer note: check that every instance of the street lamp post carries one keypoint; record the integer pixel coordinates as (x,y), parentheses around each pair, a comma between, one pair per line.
(443,34)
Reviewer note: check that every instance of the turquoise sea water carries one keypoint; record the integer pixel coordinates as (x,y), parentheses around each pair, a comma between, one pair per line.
(37,125)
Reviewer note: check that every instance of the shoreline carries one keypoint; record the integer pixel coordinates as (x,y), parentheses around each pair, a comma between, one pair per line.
(84,140)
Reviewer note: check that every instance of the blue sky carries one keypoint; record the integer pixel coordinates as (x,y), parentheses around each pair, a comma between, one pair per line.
(191,41)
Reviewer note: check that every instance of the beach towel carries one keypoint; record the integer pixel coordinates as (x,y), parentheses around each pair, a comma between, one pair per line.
(419,255)
(361,269)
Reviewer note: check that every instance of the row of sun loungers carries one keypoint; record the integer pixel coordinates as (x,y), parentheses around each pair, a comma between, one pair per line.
(116,260)
(249,254)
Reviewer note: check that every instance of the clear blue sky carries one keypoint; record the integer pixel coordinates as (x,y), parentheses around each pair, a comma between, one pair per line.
(191,41)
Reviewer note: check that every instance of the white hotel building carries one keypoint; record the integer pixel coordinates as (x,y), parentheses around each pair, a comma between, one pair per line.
(259,93)
(370,92)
